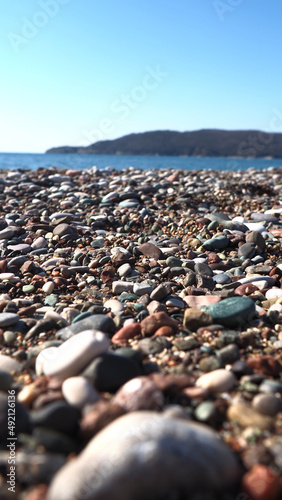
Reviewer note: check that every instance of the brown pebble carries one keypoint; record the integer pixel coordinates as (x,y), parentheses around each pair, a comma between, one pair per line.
(194,319)
(267,365)
(139,393)
(98,416)
(246,416)
(155,321)
(39,492)
(164,331)
(246,289)
(126,333)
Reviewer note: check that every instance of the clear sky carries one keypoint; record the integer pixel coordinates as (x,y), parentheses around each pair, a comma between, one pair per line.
(77,71)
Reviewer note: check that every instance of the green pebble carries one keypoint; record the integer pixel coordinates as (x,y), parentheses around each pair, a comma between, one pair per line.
(81,316)
(205,411)
(233,312)
(51,300)
(28,288)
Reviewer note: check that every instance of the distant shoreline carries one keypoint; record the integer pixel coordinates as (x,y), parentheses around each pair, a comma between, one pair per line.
(201,143)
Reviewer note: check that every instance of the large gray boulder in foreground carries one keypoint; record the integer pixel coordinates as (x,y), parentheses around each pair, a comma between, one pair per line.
(146,456)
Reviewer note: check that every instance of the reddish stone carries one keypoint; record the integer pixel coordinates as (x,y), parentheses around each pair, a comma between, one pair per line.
(150,250)
(171,384)
(139,393)
(201,300)
(99,416)
(267,365)
(195,392)
(164,331)
(155,321)
(261,483)
(213,258)
(246,289)
(107,275)
(126,333)
(3,266)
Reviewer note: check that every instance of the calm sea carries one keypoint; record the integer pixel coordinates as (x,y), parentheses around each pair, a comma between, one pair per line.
(13,161)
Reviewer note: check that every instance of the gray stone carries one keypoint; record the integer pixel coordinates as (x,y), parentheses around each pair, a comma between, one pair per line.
(100,322)
(143,453)
(247,250)
(218,243)
(8,319)
(267,404)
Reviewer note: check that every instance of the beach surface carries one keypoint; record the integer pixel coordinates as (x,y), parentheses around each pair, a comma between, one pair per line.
(140,334)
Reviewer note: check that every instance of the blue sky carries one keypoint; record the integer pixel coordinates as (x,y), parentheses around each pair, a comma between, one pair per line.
(74,72)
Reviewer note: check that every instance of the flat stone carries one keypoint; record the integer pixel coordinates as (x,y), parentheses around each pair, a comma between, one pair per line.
(150,250)
(160,292)
(218,243)
(147,452)
(114,305)
(142,289)
(247,250)
(217,381)
(100,322)
(8,319)
(71,357)
(63,229)
(256,238)
(124,270)
(198,301)
(235,311)
(127,332)
(78,392)
(194,319)
(122,286)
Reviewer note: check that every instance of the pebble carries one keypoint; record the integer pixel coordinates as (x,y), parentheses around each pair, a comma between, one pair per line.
(194,319)
(8,364)
(99,322)
(78,392)
(267,404)
(70,358)
(155,321)
(217,381)
(246,416)
(132,451)
(235,311)
(8,319)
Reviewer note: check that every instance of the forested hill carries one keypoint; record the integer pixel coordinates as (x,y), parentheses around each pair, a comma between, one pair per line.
(209,142)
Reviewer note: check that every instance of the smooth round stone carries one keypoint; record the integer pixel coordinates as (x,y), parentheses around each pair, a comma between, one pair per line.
(7,276)
(221,279)
(129,203)
(58,416)
(267,404)
(174,302)
(78,392)
(217,381)
(210,363)
(6,234)
(114,305)
(235,311)
(119,287)
(205,411)
(48,287)
(173,262)
(124,270)
(8,319)
(39,243)
(140,393)
(247,250)
(203,268)
(228,354)
(218,243)
(75,354)
(257,239)
(8,364)
(144,453)
(109,372)
(5,381)
(273,293)
(10,337)
(160,292)
(100,322)
(255,226)
(63,229)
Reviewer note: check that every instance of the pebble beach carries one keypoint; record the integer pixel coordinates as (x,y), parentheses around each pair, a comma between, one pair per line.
(140,334)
